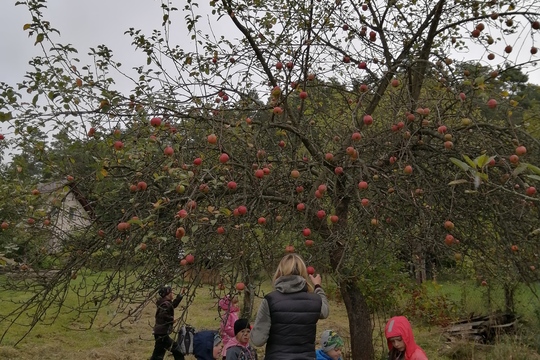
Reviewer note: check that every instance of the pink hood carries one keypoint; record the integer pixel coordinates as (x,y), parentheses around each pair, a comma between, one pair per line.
(400,326)
(225,304)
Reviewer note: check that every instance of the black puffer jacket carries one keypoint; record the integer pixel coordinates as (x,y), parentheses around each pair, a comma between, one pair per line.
(165,315)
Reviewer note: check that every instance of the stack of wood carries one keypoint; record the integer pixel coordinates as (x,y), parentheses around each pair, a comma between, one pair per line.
(480,329)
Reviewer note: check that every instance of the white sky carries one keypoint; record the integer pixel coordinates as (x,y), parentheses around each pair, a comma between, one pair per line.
(82,23)
(88,23)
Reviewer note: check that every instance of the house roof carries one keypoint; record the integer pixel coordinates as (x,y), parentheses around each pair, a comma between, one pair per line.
(52,187)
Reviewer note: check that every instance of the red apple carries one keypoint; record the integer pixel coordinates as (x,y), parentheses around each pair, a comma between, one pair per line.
(259,173)
(183,262)
(308,242)
(441,129)
(395,82)
(514,159)
(338,170)
(299,189)
(329,156)
(223,158)
(4,225)
(289,249)
(306,232)
(356,136)
(310,270)
(190,259)
(155,121)
(240,286)
(231,185)
(492,103)
(322,188)
(362,185)
(521,150)
(448,239)
(141,185)
(91,131)
(321,214)
(197,161)
(118,145)
(368,119)
(303,95)
(448,225)
(212,138)
(531,190)
(277,110)
(261,221)
(221,230)
(182,214)
(334,218)
(364,202)
(123,226)
(168,151)
(408,169)
(242,210)
(295,174)
(301,207)
(279,65)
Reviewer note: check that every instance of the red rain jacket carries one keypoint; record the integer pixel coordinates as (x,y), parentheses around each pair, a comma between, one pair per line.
(400,326)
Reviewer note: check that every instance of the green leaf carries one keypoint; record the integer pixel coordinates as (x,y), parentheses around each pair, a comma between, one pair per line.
(534,169)
(461,164)
(39,38)
(5,116)
(534,177)
(482,160)
(458,182)
(469,161)
(26,26)
(519,169)
(194,228)
(225,211)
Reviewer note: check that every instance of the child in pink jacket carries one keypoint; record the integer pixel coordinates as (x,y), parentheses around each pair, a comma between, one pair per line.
(400,338)
(229,314)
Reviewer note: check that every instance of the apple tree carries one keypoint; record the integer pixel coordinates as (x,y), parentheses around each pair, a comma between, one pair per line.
(353,133)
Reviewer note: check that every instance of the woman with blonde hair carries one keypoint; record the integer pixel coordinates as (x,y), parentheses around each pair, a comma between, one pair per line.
(287,317)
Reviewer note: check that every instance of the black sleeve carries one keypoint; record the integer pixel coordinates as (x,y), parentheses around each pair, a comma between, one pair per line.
(177,300)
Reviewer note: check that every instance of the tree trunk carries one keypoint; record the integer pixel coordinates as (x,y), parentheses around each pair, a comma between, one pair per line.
(509,305)
(360,328)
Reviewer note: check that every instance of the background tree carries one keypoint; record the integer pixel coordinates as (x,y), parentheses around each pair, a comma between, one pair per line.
(345,131)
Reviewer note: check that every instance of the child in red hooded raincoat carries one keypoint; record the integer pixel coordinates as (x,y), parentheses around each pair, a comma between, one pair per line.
(400,338)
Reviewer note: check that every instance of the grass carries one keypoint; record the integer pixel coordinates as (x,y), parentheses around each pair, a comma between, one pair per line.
(134,340)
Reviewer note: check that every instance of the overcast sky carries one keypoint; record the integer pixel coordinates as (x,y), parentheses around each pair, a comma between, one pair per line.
(83,23)
(88,23)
